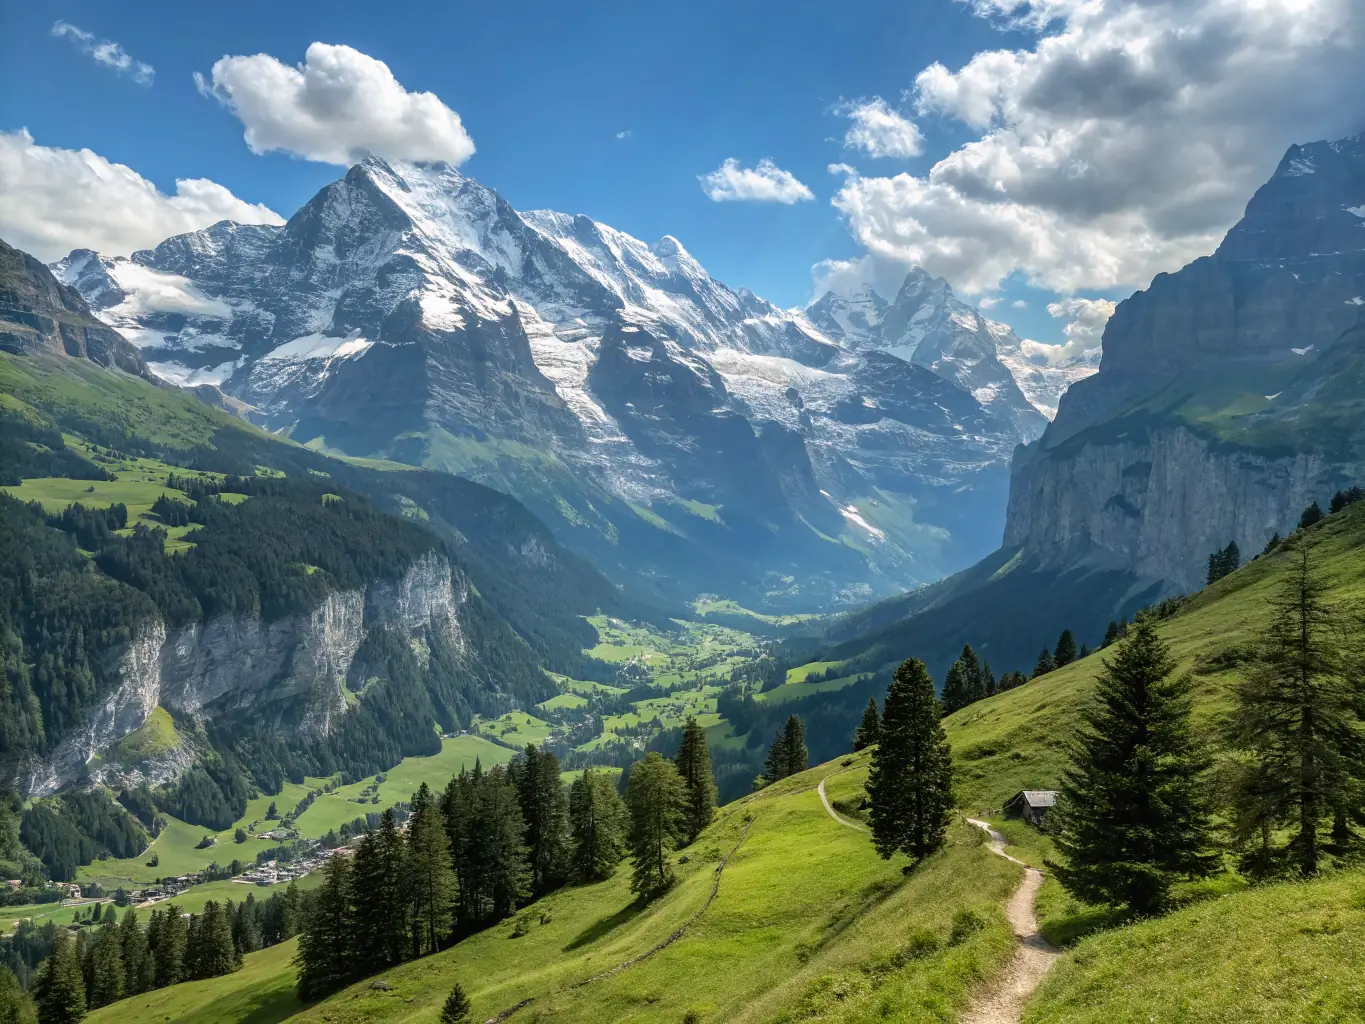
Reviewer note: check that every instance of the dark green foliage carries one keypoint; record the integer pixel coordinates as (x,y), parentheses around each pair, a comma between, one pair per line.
(870,728)
(965,682)
(1112,634)
(378,887)
(456,1009)
(1044,664)
(31,445)
(597,821)
(694,766)
(167,936)
(909,785)
(787,755)
(1311,516)
(655,797)
(1223,563)
(1274,542)
(1065,651)
(431,875)
(213,795)
(545,810)
(326,955)
(60,989)
(209,947)
(105,971)
(15,1005)
(1011,680)
(1133,814)
(1347,497)
(1298,724)
(138,971)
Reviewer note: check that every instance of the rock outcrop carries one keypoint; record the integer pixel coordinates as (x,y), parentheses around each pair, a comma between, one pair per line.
(292,670)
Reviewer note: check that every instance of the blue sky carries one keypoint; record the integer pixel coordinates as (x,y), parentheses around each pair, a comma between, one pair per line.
(544,89)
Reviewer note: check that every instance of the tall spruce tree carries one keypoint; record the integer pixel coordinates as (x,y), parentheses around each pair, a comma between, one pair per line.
(989,686)
(497,844)
(545,812)
(1111,634)
(909,785)
(797,759)
(1044,664)
(379,894)
(1298,723)
(957,688)
(1311,516)
(431,875)
(597,820)
(655,797)
(694,765)
(15,1005)
(106,968)
(133,952)
(60,987)
(1133,813)
(326,956)
(870,728)
(169,950)
(1065,651)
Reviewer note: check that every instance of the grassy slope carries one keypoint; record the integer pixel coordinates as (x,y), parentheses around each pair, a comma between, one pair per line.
(808,922)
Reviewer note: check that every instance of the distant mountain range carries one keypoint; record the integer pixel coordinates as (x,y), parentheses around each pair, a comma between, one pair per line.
(680,432)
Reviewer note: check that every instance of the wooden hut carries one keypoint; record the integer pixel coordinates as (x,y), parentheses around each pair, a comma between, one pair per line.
(1032,805)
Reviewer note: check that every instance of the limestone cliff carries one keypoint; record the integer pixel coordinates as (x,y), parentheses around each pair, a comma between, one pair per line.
(294,668)
(1222,404)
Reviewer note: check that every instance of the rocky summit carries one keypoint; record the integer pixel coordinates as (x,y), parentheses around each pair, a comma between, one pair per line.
(681,432)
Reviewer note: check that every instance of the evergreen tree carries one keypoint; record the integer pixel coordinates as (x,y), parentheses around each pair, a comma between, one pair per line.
(60,989)
(169,951)
(870,728)
(215,954)
(326,955)
(597,823)
(545,812)
(1044,664)
(1310,516)
(957,688)
(137,974)
(988,683)
(15,1005)
(457,1009)
(694,765)
(1111,634)
(1133,813)
(909,785)
(106,967)
(1272,543)
(794,746)
(1065,652)
(246,925)
(656,797)
(775,764)
(378,893)
(499,850)
(431,875)
(1298,722)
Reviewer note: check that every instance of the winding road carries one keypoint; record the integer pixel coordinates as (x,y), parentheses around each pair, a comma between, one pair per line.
(830,807)
(1003,1002)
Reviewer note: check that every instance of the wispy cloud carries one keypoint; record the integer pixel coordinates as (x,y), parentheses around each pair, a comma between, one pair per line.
(765,183)
(880,131)
(105,51)
(624,134)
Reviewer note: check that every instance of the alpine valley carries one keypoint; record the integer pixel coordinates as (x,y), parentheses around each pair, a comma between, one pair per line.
(682,434)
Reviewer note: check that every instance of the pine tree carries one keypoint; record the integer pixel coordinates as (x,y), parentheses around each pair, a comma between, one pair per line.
(378,892)
(909,785)
(775,764)
(1111,634)
(1272,543)
(106,967)
(1310,516)
(957,688)
(431,875)
(457,1009)
(1065,652)
(170,947)
(1298,722)
(794,746)
(499,849)
(133,951)
(870,728)
(217,954)
(655,797)
(1044,664)
(694,765)
(1133,813)
(988,683)
(326,955)
(597,824)
(545,812)
(60,989)
(15,1005)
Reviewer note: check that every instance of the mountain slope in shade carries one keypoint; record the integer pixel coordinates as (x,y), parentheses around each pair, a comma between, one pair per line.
(672,428)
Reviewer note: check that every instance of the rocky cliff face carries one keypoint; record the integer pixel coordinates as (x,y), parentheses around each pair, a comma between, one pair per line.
(1221,405)
(294,671)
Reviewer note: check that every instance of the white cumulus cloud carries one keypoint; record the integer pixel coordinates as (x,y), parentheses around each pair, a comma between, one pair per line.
(337,107)
(880,131)
(764,183)
(55,200)
(105,51)
(1084,329)
(1123,141)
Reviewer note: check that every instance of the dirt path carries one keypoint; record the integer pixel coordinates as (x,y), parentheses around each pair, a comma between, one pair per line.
(830,807)
(1003,1002)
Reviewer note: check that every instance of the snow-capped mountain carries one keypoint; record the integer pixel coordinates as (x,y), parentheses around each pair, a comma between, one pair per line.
(658,419)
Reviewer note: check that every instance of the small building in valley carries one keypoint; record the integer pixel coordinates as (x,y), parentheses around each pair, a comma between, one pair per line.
(1032,805)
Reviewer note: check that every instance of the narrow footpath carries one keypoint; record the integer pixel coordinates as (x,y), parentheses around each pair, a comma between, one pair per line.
(1003,1002)
(830,807)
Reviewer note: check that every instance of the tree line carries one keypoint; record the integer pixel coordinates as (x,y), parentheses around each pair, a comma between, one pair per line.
(491,841)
